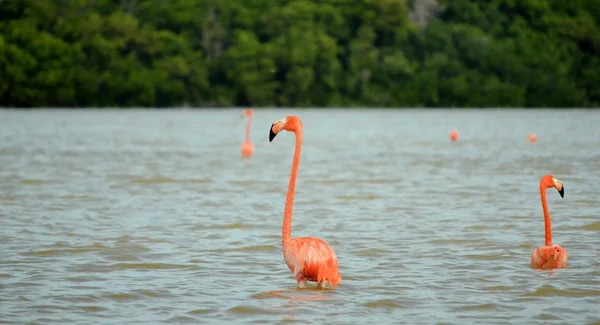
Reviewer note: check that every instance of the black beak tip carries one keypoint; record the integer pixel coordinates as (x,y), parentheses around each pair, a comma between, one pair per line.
(271,133)
(562,192)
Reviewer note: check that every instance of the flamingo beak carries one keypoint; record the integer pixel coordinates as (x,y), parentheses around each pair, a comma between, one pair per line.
(559,187)
(280,126)
(271,133)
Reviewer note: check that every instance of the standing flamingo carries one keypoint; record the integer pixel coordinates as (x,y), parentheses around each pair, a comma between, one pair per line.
(309,258)
(247,146)
(549,256)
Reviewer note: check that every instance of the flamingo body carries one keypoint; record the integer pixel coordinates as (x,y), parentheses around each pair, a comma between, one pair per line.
(309,258)
(247,149)
(312,259)
(549,257)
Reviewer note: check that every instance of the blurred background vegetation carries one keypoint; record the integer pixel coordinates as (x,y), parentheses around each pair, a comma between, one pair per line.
(385,53)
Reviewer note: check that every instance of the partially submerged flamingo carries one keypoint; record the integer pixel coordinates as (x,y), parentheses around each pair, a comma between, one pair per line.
(309,258)
(549,256)
(247,146)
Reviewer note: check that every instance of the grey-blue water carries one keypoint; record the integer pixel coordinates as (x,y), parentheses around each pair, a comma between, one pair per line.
(150,217)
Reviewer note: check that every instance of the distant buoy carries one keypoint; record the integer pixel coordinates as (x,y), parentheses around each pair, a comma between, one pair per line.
(454,135)
(532,137)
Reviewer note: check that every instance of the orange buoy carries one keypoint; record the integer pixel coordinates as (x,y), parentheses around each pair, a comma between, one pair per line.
(531,137)
(453,135)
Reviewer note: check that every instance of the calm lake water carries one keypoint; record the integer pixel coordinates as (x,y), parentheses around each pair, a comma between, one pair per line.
(148,217)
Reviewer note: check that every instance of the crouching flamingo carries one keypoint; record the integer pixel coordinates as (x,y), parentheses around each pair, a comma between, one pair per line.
(549,256)
(309,258)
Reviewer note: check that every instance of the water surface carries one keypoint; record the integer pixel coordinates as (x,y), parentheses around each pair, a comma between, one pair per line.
(148,217)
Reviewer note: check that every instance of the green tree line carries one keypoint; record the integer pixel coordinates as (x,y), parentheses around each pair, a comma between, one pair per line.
(383,53)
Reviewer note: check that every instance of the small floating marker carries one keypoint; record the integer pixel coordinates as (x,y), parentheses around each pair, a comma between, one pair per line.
(531,137)
(454,135)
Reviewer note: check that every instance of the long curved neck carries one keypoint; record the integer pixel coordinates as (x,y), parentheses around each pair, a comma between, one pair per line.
(547,223)
(286,234)
(248,129)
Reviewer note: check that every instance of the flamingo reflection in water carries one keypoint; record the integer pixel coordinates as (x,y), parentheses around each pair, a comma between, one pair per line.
(293,299)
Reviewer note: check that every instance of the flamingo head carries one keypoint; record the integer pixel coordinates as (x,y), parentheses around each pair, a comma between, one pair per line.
(549,181)
(290,123)
(247,112)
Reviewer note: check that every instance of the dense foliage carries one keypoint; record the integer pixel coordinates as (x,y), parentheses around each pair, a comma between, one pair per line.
(393,53)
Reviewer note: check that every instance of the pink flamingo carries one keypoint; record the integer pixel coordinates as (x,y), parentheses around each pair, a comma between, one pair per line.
(549,256)
(309,258)
(247,146)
